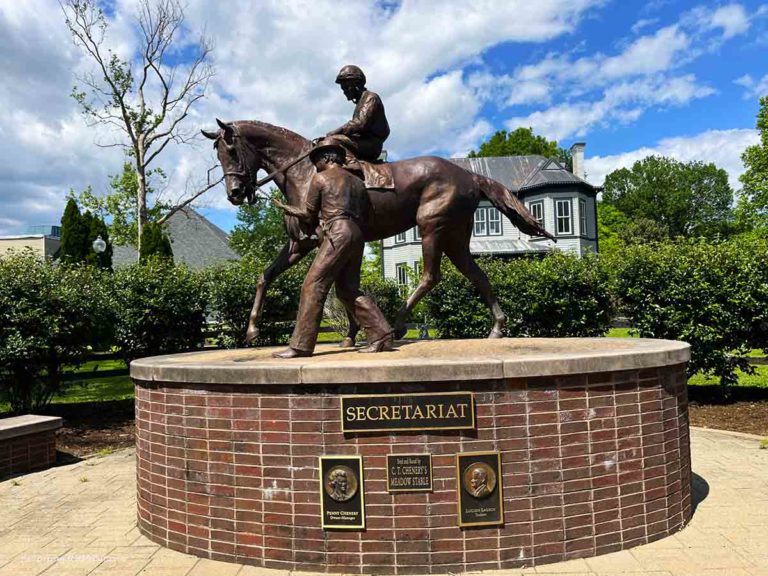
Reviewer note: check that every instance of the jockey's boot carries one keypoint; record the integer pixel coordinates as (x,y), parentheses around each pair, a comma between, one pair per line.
(380,345)
(291,353)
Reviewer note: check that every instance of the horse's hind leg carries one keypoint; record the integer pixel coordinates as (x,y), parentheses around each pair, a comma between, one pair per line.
(354,328)
(430,276)
(458,253)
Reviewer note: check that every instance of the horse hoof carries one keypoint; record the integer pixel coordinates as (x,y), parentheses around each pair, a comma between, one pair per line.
(251,336)
(400,332)
(347,343)
(495,333)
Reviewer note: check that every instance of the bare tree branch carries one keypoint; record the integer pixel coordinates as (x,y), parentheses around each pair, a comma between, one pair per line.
(151,108)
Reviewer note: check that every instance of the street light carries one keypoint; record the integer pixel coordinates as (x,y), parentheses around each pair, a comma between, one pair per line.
(99,245)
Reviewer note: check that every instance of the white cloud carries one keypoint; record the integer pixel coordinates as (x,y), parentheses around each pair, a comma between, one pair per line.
(732,19)
(622,103)
(753,88)
(722,147)
(276,61)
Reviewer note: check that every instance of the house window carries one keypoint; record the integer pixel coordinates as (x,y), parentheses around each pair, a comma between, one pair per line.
(481,225)
(537,209)
(563,213)
(402,277)
(494,222)
(416,233)
(400,238)
(417,270)
(582,217)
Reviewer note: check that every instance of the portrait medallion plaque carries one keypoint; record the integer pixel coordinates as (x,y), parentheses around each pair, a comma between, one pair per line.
(409,472)
(424,411)
(478,481)
(342,495)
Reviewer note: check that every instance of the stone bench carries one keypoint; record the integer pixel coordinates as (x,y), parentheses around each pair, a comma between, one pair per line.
(27,443)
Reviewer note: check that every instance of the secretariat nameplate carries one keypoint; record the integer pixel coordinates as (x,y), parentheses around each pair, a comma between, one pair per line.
(342,496)
(409,472)
(478,481)
(388,412)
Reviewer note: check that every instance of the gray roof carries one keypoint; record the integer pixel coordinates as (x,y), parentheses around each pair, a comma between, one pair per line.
(195,241)
(523,173)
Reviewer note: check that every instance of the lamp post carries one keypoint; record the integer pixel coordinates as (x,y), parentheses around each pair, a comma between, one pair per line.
(99,245)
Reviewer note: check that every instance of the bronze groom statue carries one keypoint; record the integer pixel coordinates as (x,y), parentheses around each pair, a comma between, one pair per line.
(364,135)
(340,202)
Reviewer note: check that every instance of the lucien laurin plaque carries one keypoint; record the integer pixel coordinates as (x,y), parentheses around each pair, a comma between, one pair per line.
(342,494)
(479,486)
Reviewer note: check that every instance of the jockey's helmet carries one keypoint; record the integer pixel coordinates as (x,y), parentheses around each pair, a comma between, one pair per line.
(350,72)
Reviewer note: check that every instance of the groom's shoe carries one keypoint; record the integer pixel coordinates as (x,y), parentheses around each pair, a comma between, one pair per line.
(380,345)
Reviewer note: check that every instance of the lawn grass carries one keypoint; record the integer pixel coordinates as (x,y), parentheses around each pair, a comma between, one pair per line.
(757,380)
(100,365)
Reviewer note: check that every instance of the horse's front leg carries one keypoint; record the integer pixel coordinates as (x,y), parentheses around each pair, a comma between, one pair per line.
(284,260)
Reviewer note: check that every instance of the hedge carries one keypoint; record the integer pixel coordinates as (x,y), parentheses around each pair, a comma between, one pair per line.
(559,295)
(50,316)
(713,296)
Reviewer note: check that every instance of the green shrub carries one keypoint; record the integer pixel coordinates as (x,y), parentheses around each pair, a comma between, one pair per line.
(385,292)
(713,296)
(559,295)
(50,316)
(232,287)
(158,308)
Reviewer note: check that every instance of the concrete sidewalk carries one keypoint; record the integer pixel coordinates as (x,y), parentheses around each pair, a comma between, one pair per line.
(80,519)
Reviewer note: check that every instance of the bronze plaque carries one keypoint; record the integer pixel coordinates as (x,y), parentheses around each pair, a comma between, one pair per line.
(409,472)
(478,480)
(392,412)
(342,497)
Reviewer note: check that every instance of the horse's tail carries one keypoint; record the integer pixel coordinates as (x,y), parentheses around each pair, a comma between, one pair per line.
(509,205)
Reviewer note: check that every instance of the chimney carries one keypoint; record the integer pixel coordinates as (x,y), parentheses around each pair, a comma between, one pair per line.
(577,158)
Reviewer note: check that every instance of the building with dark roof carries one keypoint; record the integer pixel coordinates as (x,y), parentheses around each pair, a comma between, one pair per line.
(195,241)
(562,200)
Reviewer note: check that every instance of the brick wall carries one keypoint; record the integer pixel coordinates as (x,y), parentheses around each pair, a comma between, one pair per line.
(26,453)
(591,465)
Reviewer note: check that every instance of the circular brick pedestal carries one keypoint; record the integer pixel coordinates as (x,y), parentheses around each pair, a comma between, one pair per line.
(593,437)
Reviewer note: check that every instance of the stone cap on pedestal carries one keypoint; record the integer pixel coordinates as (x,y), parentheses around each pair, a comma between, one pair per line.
(27,424)
(416,361)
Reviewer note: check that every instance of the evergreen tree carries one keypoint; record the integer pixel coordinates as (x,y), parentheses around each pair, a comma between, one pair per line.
(74,235)
(154,243)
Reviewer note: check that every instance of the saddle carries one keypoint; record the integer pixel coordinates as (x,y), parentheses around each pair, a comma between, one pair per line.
(376,175)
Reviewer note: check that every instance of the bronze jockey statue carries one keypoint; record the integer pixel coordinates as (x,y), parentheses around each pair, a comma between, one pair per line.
(340,202)
(364,135)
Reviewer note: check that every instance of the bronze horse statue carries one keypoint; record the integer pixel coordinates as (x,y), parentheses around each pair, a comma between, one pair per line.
(430,192)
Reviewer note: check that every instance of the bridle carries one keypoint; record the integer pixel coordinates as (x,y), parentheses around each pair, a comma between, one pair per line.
(243,171)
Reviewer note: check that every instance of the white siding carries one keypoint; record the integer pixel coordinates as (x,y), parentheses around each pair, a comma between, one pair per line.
(577,242)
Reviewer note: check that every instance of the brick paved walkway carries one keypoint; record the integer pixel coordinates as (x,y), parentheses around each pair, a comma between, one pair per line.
(80,519)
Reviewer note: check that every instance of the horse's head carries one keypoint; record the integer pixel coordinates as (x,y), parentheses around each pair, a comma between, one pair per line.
(239,161)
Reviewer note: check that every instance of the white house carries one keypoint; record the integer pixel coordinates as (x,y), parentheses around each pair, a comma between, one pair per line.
(563,201)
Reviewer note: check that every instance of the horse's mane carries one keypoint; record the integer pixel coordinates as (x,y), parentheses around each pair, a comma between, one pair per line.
(276,130)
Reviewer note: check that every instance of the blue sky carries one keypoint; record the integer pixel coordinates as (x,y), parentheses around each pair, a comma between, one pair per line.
(677,78)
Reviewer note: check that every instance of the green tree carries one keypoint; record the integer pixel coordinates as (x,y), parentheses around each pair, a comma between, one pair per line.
(119,205)
(521,142)
(610,223)
(146,97)
(688,199)
(74,235)
(155,244)
(754,207)
(260,232)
